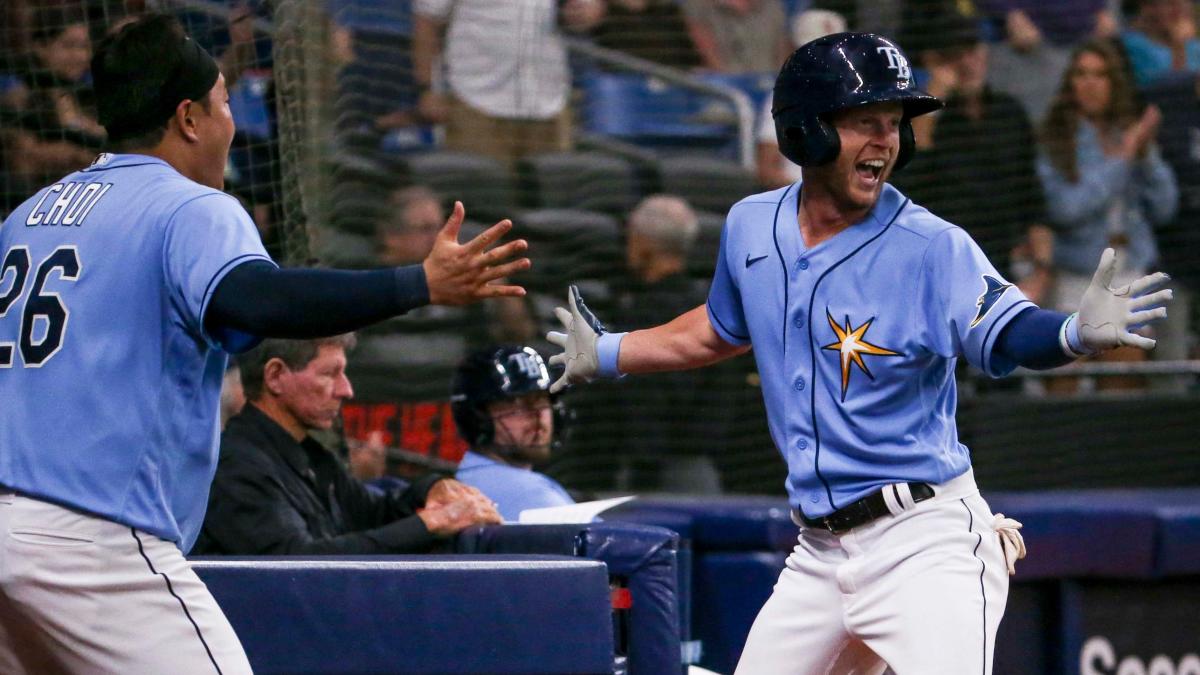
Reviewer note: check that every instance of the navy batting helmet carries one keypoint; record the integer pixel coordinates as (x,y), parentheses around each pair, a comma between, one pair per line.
(493,374)
(834,73)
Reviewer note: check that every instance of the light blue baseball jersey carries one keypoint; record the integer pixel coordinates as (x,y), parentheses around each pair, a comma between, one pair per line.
(856,339)
(109,381)
(513,489)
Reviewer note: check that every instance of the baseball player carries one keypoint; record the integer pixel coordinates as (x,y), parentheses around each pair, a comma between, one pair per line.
(502,406)
(122,289)
(858,304)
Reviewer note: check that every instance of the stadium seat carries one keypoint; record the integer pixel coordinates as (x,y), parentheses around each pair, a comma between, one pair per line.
(708,184)
(482,184)
(568,245)
(582,180)
(337,248)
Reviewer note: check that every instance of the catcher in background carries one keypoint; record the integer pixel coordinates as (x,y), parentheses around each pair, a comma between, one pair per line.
(503,408)
(858,304)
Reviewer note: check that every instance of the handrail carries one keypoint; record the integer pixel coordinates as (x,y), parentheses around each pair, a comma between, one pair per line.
(739,99)
(1101,368)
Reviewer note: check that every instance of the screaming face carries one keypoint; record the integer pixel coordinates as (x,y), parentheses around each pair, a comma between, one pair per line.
(870,142)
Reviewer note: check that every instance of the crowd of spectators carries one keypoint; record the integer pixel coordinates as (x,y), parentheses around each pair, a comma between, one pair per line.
(1069,126)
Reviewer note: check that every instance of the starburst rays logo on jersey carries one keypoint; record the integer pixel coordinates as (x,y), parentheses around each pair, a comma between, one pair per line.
(851,345)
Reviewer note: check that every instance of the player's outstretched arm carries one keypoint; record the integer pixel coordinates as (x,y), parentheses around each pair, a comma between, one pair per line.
(458,274)
(589,351)
(1107,315)
(258,299)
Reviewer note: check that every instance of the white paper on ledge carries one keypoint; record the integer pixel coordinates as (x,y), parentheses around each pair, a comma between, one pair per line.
(583,512)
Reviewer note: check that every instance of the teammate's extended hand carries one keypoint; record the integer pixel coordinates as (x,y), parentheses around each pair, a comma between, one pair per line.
(459,274)
(579,342)
(1106,313)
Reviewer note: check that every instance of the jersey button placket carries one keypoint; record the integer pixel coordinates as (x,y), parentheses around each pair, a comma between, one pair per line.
(798,384)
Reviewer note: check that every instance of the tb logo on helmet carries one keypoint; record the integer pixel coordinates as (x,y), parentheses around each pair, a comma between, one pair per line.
(525,364)
(897,62)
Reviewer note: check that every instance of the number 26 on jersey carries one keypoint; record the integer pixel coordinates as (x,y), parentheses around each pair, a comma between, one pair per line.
(43,315)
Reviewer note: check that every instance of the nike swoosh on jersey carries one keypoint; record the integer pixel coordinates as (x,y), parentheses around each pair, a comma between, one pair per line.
(750,261)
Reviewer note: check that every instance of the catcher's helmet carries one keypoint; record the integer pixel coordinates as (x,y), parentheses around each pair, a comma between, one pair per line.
(493,374)
(836,72)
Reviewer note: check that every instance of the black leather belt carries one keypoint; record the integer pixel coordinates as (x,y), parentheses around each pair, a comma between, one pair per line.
(864,510)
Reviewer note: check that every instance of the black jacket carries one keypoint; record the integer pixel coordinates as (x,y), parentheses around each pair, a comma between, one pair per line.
(273,496)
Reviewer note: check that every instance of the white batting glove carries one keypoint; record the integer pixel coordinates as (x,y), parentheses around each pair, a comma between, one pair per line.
(1106,314)
(1012,544)
(580,355)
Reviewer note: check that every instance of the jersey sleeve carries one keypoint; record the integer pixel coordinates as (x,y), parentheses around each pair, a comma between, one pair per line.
(724,305)
(206,238)
(967,302)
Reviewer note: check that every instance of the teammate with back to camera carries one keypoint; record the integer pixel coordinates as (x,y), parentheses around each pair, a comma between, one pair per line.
(122,289)
(858,304)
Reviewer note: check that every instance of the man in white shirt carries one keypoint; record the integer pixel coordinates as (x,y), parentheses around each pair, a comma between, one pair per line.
(506,71)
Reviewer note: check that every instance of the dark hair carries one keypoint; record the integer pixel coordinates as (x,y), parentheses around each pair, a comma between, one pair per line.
(50,22)
(295,354)
(134,69)
(1062,120)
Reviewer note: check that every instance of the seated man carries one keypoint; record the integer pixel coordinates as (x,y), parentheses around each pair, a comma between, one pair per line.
(278,491)
(503,410)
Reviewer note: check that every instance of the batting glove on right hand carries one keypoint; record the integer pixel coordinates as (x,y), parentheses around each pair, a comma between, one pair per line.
(1106,314)
(579,356)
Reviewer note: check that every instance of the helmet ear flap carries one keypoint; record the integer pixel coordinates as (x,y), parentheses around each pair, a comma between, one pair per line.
(807,141)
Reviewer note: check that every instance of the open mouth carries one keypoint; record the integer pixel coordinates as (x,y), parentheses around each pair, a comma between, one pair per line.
(870,170)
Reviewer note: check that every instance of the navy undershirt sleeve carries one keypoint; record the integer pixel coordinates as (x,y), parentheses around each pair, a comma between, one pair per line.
(261,300)
(1031,339)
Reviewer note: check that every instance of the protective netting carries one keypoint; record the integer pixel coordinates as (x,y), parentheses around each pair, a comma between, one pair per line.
(361,121)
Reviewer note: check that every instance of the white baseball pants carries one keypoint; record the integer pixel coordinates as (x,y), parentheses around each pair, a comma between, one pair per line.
(81,594)
(922,592)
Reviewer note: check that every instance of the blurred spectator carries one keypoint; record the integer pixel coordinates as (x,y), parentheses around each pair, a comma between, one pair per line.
(506,71)
(648,29)
(975,160)
(279,491)
(1161,38)
(503,410)
(883,17)
(659,448)
(772,168)
(405,232)
(408,226)
(53,129)
(233,397)
(1039,36)
(1105,180)
(739,36)
(377,98)
(1030,23)
(1178,97)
